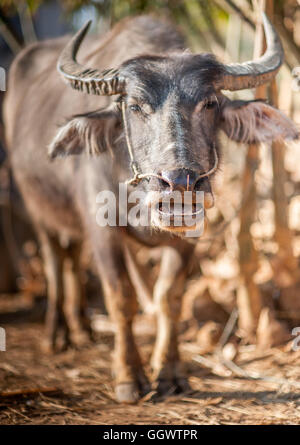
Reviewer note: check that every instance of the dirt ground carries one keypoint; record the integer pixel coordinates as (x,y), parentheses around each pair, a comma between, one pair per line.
(76,387)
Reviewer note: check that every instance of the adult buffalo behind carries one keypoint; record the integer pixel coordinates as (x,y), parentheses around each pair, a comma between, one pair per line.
(159,109)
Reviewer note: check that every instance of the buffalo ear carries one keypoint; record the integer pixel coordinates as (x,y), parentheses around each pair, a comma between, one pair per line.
(90,133)
(256,121)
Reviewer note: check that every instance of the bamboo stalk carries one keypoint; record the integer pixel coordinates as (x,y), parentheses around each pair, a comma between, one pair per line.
(242,8)
(9,38)
(194,13)
(249,298)
(26,23)
(286,266)
(233,38)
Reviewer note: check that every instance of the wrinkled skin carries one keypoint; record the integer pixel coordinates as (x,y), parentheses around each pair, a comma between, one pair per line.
(173,115)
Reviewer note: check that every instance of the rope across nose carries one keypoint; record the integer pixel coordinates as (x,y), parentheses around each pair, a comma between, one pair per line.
(138,176)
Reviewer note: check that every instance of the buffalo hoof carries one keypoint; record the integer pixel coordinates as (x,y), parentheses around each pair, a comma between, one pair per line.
(50,347)
(65,340)
(172,386)
(144,386)
(79,339)
(182,385)
(132,392)
(127,393)
(47,347)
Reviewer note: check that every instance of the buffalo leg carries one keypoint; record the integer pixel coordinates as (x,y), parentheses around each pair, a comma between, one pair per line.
(75,299)
(167,367)
(53,264)
(121,304)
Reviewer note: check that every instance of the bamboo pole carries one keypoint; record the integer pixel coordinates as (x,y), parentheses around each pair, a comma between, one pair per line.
(243,9)
(249,298)
(285,268)
(194,13)
(285,265)
(26,23)
(9,38)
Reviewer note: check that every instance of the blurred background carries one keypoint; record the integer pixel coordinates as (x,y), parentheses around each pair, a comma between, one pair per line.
(248,259)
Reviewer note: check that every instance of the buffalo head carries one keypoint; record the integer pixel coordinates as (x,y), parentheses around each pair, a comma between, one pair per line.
(172,108)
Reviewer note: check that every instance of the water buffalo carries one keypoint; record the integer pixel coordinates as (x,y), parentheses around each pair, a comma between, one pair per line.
(160,132)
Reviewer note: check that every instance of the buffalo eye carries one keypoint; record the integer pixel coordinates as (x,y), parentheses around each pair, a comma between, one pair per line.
(135,108)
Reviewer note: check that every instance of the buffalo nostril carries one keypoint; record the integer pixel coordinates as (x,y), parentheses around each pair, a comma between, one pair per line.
(179,180)
(164,183)
(198,184)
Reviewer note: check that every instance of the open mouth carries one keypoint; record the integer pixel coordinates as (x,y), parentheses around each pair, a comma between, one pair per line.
(178,216)
(178,210)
